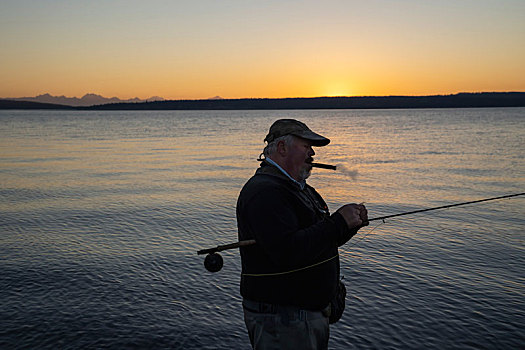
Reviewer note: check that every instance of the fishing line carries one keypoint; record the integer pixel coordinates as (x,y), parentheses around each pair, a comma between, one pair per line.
(291,271)
(366,234)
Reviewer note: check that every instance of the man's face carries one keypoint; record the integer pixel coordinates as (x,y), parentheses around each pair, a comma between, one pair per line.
(299,159)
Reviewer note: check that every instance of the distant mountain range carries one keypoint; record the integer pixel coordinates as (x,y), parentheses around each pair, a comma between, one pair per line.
(85,101)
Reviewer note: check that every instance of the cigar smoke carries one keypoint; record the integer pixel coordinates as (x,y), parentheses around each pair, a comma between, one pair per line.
(343,169)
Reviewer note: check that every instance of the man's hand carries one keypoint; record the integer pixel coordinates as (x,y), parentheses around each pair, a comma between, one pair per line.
(355,215)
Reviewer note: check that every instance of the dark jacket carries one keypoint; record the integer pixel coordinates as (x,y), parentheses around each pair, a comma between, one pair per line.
(295,260)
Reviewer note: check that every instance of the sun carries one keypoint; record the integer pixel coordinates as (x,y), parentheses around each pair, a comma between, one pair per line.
(334,89)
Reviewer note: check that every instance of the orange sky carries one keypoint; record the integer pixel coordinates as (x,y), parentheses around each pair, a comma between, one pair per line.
(244,48)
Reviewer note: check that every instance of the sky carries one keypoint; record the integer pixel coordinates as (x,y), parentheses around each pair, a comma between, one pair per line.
(260,49)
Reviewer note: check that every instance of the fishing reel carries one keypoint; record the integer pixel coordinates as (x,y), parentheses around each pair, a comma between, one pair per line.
(213,261)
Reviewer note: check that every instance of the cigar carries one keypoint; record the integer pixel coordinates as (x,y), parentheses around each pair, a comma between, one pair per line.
(324,166)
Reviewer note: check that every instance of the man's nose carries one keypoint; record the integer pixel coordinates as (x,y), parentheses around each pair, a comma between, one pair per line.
(312,152)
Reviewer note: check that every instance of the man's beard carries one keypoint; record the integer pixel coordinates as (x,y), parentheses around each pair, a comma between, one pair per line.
(305,172)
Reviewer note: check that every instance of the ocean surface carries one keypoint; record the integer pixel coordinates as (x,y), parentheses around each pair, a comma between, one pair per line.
(101,215)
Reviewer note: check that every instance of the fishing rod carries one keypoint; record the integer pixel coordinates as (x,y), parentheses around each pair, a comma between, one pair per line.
(447,206)
(214,262)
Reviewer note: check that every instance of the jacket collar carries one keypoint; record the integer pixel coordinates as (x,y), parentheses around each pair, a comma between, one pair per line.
(269,167)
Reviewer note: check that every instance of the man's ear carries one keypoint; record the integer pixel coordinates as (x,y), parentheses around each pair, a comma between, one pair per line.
(281,148)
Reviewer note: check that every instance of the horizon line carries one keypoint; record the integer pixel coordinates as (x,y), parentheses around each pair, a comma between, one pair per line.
(218,97)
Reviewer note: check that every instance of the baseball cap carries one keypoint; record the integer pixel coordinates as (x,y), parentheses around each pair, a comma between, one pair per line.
(294,127)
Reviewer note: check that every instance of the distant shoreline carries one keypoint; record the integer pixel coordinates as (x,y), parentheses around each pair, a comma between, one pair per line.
(460,100)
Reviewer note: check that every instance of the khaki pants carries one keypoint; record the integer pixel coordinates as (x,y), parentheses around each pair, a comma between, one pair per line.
(283,327)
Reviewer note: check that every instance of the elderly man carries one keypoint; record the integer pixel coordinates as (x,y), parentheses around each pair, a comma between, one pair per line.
(291,275)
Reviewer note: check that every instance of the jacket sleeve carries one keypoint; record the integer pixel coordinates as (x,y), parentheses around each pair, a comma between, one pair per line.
(346,233)
(271,217)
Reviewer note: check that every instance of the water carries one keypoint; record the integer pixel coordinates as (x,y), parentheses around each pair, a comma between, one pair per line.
(101,214)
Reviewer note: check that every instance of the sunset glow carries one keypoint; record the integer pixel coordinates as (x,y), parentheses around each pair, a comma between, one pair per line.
(237,49)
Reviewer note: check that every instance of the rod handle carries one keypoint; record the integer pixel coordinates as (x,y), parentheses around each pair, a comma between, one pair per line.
(227,246)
